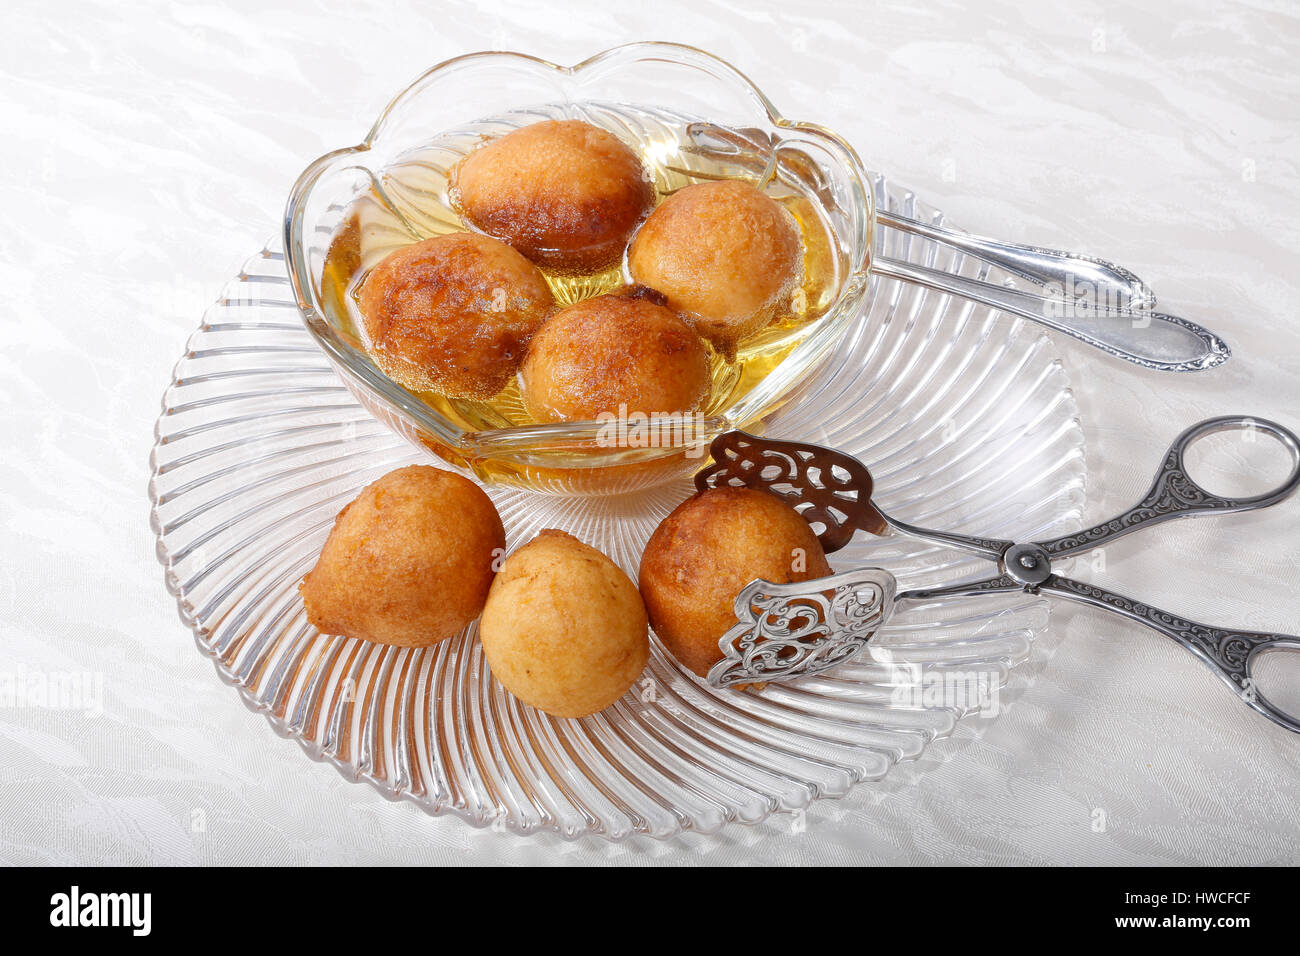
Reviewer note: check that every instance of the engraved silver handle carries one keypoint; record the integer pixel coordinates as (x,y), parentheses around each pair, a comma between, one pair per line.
(1065,273)
(1153,340)
(1229,653)
(1173,493)
(990,548)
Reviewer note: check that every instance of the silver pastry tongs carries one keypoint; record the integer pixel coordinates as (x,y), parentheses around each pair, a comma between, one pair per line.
(785,631)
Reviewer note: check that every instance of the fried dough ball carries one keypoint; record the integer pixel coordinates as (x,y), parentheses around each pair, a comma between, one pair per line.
(453,314)
(612,350)
(566,194)
(408,562)
(706,551)
(723,252)
(564,629)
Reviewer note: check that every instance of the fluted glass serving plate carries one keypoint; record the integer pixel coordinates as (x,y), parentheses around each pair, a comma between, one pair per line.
(964,416)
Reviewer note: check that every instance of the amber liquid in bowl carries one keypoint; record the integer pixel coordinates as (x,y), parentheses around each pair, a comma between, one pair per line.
(411,201)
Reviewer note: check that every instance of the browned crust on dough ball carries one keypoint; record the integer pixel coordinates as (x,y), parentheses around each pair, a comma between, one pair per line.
(705,552)
(566,194)
(614,350)
(409,561)
(723,252)
(453,314)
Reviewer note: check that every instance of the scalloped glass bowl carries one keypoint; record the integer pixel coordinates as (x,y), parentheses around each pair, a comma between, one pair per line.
(663,99)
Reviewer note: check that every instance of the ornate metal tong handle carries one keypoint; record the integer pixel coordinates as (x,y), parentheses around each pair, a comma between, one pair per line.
(1153,340)
(1230,654)
(1067,274)
(1173,493)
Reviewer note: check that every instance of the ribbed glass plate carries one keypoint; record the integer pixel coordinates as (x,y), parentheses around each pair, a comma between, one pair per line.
(964,416)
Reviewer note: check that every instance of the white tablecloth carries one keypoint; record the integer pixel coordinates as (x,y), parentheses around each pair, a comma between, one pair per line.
(147,151)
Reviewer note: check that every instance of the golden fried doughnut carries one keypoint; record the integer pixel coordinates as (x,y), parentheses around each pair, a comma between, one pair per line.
(611,350)
(566,194)
(408,562)
(564,629)
(724,253)
(706,551)
(453,314)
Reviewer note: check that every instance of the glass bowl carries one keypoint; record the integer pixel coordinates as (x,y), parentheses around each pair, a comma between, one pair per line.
(676,106)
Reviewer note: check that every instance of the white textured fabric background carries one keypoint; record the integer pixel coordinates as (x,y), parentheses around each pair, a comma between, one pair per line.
(147,149)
